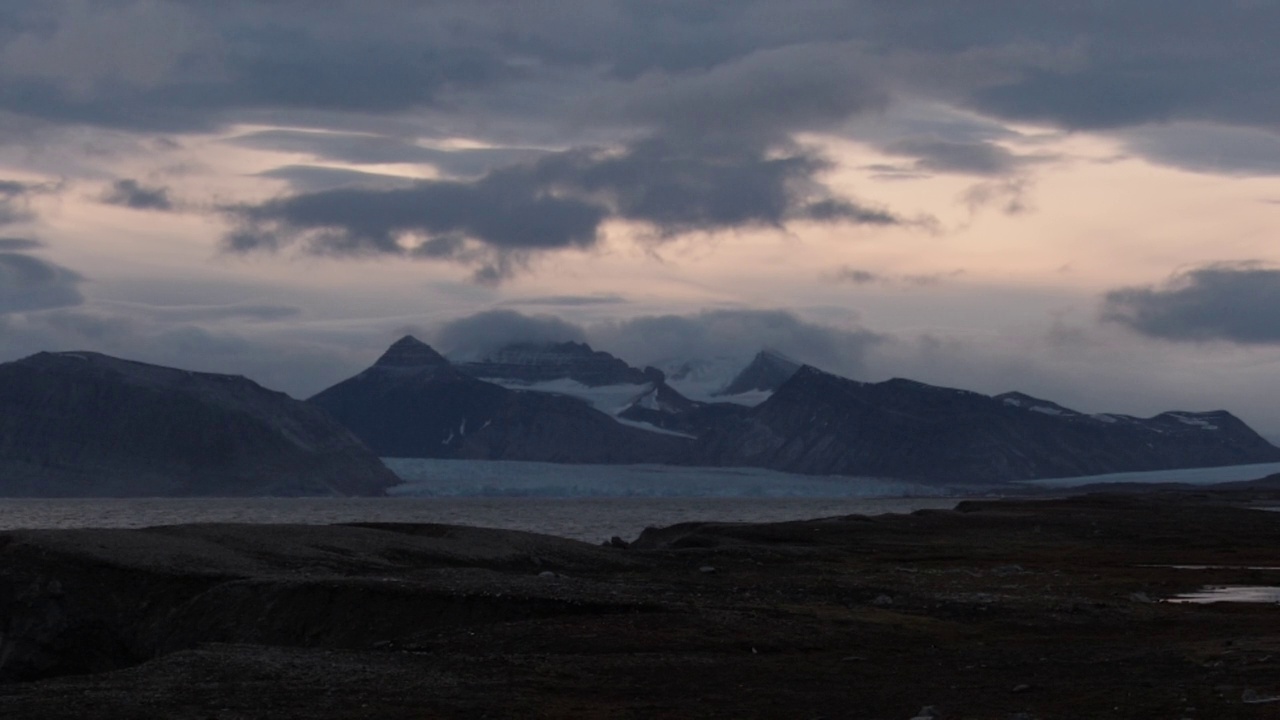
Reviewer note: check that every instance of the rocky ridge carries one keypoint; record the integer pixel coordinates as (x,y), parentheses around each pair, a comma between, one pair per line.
(89,425)
(414,403)
(824,424)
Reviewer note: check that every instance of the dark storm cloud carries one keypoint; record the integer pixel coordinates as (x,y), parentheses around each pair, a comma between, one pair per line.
(181,65)
(132,194)
(1237,303)
(9,244)
(475,335)
(753,65)
(29,283)
(490,223)
(14,201)
(1209,148)
(557,202)
(948,156)
(367,149)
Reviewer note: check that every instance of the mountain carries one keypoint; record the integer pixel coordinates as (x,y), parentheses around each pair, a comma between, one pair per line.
(823,424)
(766,373)
(90,425)
(413,403)
(661,406)
(531,363)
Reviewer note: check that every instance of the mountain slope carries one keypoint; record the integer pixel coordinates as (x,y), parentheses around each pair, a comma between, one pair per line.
(84,424)
(766,372)
(413,403)
(824,424)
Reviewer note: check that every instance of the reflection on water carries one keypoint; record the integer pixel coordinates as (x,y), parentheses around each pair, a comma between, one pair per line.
(1231,593)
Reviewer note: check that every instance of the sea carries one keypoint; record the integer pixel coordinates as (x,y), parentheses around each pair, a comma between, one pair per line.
(592,503)
(584,502)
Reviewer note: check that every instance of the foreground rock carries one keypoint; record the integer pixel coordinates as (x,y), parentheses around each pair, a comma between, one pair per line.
(996,610)
(81,424)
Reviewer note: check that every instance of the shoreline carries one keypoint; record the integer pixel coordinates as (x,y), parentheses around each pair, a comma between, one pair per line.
(1053,608)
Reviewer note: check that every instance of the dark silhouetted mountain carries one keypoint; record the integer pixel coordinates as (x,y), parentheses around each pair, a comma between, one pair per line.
(767,372)
(84,424)
(662,406)
(530,363)
(823,424)
(413,403)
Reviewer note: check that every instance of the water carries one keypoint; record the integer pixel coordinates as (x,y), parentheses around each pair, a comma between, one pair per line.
(1190,476)
(1230,593)
(592,519)
(490,478)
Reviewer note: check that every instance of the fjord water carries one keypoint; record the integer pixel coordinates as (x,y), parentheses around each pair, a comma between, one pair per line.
(583,502)
(589,519)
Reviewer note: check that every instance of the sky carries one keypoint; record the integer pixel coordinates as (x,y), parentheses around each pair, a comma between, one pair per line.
(1078,200)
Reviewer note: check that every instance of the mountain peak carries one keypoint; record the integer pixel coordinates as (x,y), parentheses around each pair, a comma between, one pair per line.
(766,372)
(408,352)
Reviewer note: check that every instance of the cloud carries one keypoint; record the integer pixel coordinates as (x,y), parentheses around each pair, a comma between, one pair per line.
(29,283)
(290,362)
(476,335)
(131,194)
(317,178)
(13,201)
(372,149)
(950,156)
(253,312)
(1208,148)
(11,244)
(491,223)
(857,276)
(764,93)
(1238,303)
(854,276)
(737,334)
(1009,195)
(558,202)
(571,300)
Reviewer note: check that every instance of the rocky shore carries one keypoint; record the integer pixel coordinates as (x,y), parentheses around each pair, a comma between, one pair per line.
(998,609)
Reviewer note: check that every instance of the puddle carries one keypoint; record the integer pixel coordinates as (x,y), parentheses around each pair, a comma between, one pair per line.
(1215,567)
(1230,593)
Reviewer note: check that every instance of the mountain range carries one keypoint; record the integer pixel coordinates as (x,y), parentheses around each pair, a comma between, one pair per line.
(85,424)
(80,424)
(565,402)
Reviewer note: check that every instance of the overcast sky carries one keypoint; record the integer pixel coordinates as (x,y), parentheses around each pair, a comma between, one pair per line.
(1079,200)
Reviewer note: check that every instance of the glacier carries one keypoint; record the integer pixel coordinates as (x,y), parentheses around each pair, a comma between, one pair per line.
(504,478)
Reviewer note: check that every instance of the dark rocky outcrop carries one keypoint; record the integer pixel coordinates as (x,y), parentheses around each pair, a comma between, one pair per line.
(823,424)
(84,601)
(90,425)
(996,609)
(413,403)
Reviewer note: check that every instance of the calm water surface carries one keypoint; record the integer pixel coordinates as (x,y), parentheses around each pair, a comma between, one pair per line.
(590,519)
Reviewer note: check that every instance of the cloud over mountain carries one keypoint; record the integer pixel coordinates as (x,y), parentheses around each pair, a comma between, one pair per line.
(1237,303)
